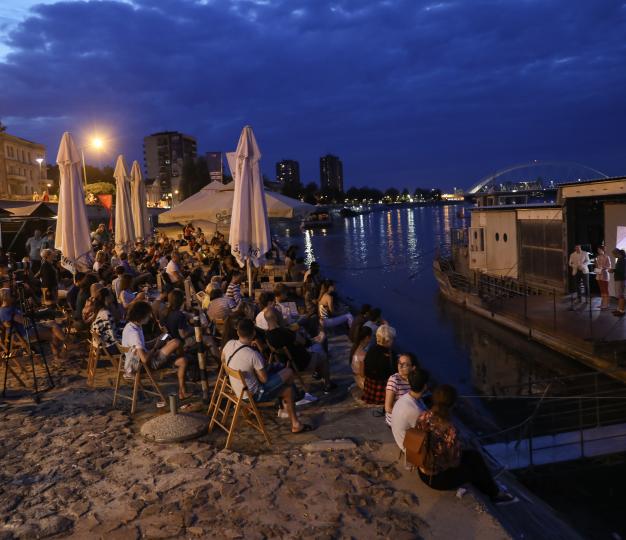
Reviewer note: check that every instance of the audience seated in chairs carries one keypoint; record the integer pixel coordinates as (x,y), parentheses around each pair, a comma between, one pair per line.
(266,383)
(357,355)
(47,331)
(379,365)
(312,359)
(105,323)
(398,383)
(163,353)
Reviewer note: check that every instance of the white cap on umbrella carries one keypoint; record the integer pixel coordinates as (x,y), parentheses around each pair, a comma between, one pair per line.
(124,226)
(72,235)
(139,203)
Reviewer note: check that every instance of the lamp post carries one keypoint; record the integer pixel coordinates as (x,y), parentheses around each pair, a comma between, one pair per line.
(40,161)
(96,143)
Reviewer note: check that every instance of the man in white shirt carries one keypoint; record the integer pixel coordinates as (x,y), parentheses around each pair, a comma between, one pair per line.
(266,299)
(579,263)
(161,354)
(173,269)
(240,355)
(409,407)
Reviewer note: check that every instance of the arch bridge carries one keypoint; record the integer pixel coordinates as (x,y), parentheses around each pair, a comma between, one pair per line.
(533,172)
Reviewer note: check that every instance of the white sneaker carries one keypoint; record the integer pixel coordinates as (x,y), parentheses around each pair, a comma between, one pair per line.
(308,398)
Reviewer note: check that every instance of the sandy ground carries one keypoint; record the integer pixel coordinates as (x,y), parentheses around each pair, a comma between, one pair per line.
(73,466)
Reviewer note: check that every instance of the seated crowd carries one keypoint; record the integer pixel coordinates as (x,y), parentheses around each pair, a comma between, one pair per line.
(270,341)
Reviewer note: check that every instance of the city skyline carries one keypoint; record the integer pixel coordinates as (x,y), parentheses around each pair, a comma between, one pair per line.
(408,94)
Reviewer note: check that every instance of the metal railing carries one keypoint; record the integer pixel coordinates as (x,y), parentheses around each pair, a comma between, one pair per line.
(542,309)
(559,405)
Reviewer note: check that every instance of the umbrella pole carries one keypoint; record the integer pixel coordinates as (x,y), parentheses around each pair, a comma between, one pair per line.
(249,278)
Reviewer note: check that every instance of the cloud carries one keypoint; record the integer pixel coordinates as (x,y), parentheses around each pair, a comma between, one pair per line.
(396,88)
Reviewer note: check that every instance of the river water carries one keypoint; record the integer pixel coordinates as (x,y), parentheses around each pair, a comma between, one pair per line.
(384,258)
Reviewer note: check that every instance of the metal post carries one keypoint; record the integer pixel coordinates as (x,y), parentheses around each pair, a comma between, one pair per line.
(173,404)
(554,308)
(580,427)
(201,360)
(82,153)
(525,307)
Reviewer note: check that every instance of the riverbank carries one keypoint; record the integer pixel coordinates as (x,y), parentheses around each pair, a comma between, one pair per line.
(79,469)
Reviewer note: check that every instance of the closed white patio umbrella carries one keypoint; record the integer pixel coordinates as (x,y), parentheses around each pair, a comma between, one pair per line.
(72,237)
(249,226)
(139,203)
(124,225)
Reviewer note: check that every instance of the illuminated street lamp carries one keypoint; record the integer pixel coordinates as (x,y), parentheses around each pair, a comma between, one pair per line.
(40,161)
(97,143)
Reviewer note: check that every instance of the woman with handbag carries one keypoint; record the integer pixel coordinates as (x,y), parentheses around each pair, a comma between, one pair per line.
(448,466)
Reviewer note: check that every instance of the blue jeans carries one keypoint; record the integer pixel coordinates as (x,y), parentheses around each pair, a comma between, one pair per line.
(270,389)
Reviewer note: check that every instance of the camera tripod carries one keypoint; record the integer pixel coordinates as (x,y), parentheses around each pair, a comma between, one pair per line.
(23,338)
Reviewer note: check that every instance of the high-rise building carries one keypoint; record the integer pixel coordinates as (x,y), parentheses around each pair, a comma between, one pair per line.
(215,163)
(288,172)
(164,154)
(22,169)
(331,173)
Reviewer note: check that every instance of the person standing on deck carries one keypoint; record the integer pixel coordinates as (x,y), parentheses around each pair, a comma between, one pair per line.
(603,266)
(579,263)
(619,275)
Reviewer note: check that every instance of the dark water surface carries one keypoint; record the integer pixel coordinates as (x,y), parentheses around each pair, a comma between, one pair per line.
(384,258)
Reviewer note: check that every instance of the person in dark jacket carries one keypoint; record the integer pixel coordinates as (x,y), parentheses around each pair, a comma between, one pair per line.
(49,277)
(619,275)
(379,365)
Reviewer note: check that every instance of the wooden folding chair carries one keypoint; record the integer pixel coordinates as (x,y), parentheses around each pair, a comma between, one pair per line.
(11,359)
(289,362)
(97,352)
(225,402)
(139,383)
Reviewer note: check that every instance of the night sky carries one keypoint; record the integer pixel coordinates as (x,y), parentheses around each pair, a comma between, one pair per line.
(407,93)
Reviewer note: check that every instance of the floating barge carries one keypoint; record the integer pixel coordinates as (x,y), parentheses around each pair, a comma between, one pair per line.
(510,265)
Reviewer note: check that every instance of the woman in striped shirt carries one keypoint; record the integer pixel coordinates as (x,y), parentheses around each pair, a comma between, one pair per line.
(326,308)
(398,383)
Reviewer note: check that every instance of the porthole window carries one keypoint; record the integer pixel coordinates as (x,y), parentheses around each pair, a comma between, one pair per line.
(497,237)
(505,237)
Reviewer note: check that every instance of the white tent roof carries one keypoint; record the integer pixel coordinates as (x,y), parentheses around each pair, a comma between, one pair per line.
(215,205)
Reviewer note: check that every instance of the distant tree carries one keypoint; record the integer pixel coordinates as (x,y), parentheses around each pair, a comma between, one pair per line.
(392,193)
(292,189)
(203,176)
(311,193)
(3,128)
(98,188)
(95,175)
(188,180)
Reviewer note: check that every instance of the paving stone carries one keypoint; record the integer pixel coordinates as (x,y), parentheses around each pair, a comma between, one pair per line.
(329,445)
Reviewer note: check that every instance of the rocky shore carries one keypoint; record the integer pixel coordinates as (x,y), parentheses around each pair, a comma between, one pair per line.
(74,467)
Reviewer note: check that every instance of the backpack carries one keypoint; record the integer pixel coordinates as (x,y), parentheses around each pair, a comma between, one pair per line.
(419,449)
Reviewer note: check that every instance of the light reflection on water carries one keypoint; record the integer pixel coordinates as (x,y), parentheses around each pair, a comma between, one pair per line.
(385,258)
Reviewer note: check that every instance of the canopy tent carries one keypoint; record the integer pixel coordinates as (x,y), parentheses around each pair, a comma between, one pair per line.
(72,234)
(124,225)
(215,206)
(139,204)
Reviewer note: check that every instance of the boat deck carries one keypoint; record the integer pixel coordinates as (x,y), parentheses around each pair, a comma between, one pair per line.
(584,323)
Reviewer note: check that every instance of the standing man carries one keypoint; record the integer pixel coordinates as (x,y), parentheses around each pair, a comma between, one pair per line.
(33,245)
(619,275)
(579,263)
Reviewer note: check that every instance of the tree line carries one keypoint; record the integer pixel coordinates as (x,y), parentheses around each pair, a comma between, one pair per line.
(312,194)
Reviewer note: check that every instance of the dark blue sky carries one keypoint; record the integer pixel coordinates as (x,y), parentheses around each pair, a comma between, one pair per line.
(407,93)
